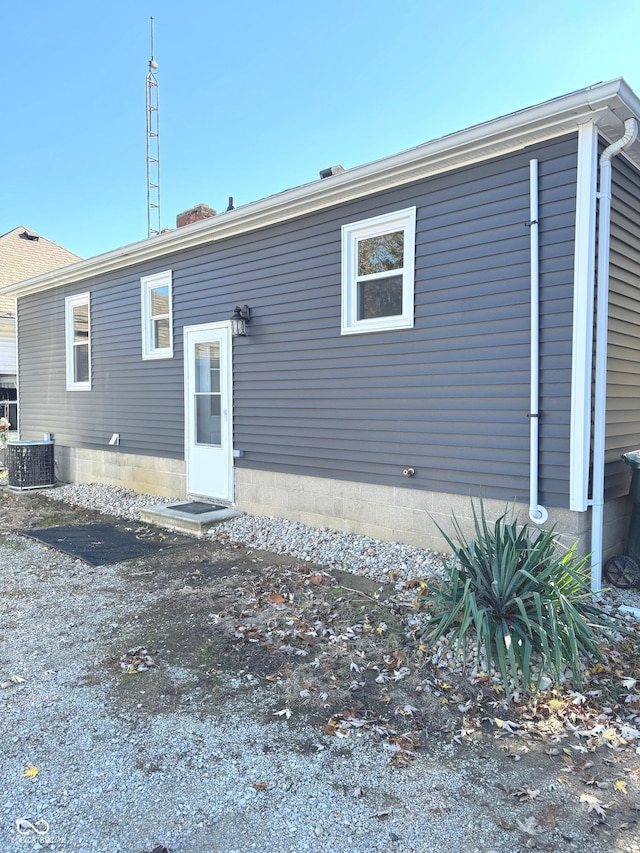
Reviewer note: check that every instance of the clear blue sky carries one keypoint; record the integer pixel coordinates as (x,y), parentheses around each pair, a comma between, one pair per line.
(256,97)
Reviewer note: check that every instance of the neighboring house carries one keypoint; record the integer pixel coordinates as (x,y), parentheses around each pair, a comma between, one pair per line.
(23,254)
(410,318)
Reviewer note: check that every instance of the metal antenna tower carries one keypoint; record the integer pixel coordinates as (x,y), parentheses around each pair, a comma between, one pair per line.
(153,148)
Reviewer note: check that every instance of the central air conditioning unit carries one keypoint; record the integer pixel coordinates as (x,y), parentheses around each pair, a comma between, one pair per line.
(30,464)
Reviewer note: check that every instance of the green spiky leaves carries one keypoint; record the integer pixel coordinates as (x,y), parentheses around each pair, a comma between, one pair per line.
(527,603)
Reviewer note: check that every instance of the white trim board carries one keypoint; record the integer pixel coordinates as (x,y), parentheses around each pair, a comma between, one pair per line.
(583,317)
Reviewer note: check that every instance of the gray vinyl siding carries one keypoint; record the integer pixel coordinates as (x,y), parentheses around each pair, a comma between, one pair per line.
(623,365)
(449,397)
(143,400)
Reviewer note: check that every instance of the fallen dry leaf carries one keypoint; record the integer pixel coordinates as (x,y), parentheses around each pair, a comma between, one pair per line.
(137,660)
(259,786)
(525,794)
(528,826)
(406,710)
(283,712)
(31,772)
(594,806)
(13,679)
(331,728)
(507,725)
(549,816)
(620,785)
(308,638)
(592,781)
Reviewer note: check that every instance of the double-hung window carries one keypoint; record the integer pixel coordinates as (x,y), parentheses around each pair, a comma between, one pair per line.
(378,272)
(78,342)
(157,316)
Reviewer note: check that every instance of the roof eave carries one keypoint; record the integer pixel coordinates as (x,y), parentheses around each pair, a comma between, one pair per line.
(607,104)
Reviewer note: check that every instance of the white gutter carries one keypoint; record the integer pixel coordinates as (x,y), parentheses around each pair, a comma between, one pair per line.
(605,103)
(537,513)
(602,330)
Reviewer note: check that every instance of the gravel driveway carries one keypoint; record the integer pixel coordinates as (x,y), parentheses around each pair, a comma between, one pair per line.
(126,729)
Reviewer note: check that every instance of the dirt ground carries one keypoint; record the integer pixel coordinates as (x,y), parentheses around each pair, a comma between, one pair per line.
(335,650)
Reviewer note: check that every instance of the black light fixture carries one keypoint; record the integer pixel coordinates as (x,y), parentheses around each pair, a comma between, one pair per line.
(241,316)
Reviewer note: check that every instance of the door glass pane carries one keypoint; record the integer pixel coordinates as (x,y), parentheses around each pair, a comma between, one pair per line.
(207,398)
(208,367)
(81,363)
(381,297)
(208,428)
(380,254)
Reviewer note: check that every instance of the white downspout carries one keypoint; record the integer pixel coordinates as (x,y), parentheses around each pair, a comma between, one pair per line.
(602,329)
(537,513)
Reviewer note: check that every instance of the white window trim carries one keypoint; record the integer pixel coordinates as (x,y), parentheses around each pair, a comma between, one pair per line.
(147,283)
(404,220)
(70,303)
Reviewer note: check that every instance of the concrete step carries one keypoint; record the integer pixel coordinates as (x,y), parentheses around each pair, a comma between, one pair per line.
(194,517)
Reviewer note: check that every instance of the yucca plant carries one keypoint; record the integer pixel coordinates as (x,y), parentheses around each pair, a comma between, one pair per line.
(521,598)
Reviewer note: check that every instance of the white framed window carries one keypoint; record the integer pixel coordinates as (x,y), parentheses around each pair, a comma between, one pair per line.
(157,315)
(378,273)
(77,322)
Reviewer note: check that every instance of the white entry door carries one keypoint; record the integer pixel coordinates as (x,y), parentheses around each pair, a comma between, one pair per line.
(208,411)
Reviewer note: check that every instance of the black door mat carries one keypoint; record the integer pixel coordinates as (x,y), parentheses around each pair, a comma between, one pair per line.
(197,507)
(98,544)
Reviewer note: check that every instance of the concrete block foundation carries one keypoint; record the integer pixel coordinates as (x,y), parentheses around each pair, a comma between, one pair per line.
(149,475)
(390,513)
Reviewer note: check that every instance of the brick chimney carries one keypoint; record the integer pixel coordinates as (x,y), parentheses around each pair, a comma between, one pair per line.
(194,214)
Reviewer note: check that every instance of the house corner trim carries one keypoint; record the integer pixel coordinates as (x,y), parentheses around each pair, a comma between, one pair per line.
(583,317)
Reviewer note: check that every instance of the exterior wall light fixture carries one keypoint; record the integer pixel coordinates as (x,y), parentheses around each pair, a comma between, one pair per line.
(241,316)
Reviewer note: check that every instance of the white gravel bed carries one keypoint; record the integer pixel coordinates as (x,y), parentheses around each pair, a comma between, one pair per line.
(111,500)
(351,552)
(626,597)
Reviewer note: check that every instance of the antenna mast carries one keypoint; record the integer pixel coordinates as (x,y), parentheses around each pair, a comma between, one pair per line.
(153,148)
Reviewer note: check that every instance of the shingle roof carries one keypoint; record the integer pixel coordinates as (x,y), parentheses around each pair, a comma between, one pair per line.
(23,254)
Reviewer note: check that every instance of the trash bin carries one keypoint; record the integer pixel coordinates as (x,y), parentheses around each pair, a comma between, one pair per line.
(623,570)
(30,464)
